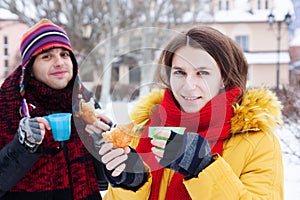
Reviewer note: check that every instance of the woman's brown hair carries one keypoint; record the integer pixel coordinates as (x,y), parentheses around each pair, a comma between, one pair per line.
(227,54)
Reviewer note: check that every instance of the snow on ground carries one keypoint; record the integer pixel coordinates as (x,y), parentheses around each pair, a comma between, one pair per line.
(291,163)
(291,181)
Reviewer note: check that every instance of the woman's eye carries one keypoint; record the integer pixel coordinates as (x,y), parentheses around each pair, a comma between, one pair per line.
(203,73)
(178,72)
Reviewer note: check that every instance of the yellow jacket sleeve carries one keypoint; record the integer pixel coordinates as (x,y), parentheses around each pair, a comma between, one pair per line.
(251,168)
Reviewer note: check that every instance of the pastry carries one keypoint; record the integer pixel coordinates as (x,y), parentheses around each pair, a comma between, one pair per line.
(88,111)
(120,136)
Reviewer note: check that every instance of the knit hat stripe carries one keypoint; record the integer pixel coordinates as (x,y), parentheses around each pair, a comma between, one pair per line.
(46,47)
(29,36)
(33,42)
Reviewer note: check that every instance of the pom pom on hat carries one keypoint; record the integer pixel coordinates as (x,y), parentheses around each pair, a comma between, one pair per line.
(42,36)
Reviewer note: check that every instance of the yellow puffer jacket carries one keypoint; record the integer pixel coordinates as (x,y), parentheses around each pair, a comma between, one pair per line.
(251,165)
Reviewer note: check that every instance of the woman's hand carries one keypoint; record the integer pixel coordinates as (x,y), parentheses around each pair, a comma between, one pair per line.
(160,143)
(191,146)
(114,159)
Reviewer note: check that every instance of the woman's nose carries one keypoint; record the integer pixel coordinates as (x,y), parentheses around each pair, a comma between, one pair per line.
(190,82)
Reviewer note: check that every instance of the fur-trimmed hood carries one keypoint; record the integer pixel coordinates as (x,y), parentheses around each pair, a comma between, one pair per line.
(259,110)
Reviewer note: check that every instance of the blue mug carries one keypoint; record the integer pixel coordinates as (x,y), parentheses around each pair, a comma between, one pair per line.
(60,124)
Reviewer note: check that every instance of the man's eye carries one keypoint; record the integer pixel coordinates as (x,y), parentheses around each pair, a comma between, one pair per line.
(45,56)
(65,54)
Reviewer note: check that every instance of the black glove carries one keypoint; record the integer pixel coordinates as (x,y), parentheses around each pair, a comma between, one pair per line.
(134,175)
(187,154)
(29,133)
(98,138)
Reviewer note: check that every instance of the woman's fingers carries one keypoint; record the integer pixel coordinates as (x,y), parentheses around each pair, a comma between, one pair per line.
(113,154)
(119,170)
(114,163)
(106,147)
(114,159)
(162,133)
(158,152)
(159,143)
(127,150)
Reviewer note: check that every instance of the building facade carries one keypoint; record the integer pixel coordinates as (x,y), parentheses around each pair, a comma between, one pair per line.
(266,45)
(11,32)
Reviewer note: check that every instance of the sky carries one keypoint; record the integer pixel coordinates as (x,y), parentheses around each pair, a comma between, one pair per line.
(5,14)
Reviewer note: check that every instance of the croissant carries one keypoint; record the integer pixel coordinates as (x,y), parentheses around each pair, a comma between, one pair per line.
(120,136)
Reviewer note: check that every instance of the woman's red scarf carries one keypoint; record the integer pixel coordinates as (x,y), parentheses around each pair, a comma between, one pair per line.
(211,122)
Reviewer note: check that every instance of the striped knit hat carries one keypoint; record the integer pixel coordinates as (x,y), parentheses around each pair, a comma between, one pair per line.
(42,36)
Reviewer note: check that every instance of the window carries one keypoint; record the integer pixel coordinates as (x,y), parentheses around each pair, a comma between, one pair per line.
(266,4)
(227,5)
(134,74)
(258,4)
(298,56)
(6,64)
(115,73)
(220,5)
(5,40)
(243,41)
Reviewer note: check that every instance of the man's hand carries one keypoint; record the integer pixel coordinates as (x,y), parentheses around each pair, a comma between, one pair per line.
(95,130)
(31,132)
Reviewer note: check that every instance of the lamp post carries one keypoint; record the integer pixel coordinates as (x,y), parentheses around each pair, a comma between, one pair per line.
(271,20)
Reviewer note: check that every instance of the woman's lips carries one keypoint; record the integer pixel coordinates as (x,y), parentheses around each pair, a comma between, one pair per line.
(191,98)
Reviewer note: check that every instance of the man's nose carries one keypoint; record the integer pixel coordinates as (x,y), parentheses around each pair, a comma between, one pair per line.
(58,61)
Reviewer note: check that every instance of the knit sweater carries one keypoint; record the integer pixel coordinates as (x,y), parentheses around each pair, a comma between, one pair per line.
(64,170)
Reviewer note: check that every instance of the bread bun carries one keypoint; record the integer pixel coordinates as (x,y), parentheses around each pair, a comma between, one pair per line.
(120,136)
(88,111)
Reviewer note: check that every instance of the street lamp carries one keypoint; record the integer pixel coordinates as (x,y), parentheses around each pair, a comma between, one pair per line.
(271,20)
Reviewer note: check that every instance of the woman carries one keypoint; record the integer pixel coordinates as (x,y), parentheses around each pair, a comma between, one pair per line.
(228,150)
(32,164)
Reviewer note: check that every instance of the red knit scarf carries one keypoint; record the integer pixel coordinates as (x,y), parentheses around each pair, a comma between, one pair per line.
(212,122)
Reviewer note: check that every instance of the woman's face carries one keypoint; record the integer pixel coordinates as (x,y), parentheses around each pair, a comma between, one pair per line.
(195,78)
(54,68)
